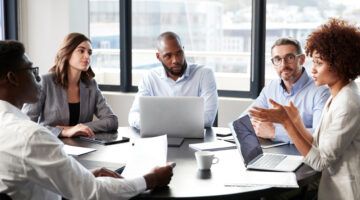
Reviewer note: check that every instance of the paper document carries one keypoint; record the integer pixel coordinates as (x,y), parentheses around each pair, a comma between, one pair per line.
(146,154)
(213,146)
(222,130)
(271,179)
(77,151)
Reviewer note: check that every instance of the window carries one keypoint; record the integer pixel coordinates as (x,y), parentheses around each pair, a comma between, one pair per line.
(298,19)
(8,20)
(105,38)
(2,24)
(216,33)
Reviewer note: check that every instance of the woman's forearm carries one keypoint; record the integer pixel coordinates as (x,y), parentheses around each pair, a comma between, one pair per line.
(299,135)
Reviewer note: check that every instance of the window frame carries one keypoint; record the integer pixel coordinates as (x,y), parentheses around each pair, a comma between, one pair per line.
(10,20)
(258,28)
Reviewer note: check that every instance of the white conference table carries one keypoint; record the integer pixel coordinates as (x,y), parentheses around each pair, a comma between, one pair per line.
(188,182)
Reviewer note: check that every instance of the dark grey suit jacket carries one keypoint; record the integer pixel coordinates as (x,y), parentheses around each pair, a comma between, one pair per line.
(52,109)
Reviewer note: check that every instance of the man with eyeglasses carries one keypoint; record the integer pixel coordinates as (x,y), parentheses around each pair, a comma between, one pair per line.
(294,85)
(33,164)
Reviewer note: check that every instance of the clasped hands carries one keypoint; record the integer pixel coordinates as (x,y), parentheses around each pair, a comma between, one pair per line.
(77,130)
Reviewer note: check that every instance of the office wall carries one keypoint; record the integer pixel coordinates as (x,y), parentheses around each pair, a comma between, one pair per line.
(44,24)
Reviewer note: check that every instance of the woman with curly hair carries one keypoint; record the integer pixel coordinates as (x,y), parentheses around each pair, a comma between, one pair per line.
(335,147)
(70,96)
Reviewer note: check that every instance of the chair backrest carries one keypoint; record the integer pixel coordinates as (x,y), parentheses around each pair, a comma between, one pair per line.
(4,196)
(215,124)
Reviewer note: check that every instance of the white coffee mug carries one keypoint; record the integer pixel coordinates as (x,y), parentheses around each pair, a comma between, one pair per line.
(205,159)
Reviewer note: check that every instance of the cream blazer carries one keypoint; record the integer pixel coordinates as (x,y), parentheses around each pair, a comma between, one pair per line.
(336,147)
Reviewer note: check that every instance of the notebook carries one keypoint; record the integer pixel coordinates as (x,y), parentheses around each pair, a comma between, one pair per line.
(249,147)
(212,146)
(179,117)
(106,138)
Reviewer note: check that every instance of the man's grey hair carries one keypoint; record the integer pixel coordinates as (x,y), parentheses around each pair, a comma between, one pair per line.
(167,36)
(288,41)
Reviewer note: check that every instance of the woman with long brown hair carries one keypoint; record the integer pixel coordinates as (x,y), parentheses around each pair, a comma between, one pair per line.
(70,96)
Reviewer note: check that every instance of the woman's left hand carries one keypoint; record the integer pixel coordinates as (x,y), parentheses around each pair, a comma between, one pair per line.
(277,114)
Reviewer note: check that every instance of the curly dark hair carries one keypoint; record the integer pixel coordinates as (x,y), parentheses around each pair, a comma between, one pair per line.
(11,55)
(338,44)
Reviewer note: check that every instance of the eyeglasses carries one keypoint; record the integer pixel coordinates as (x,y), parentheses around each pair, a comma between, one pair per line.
(34,70)
(288,58)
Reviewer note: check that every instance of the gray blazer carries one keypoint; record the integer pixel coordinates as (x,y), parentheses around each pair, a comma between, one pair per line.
(52,109)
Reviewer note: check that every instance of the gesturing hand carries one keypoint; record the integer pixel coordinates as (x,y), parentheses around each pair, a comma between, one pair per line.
(277,114)
(292,112)
(264,129)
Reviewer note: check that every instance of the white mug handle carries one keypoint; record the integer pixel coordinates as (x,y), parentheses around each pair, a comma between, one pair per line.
(215,160)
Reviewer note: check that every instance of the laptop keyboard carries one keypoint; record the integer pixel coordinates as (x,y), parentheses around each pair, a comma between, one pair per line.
(269,160)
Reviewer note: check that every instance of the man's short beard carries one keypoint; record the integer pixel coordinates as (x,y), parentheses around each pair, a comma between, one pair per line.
(183,68)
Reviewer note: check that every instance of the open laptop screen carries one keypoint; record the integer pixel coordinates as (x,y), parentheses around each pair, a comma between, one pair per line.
(179,117)
(245,135)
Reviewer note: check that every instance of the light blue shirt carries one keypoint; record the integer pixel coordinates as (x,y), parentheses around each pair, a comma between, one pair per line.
(307,97)
(196,81)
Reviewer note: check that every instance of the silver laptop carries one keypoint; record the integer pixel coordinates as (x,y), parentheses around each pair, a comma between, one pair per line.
(249,147)
(181,117)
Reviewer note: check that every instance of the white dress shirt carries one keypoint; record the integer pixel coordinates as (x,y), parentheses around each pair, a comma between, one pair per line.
(336,146)
(196,81)
(34,165)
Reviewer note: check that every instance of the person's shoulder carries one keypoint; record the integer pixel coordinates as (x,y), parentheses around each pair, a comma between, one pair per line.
(272,84)
(92,82)
(28,128)
(321,91)
(346,103)
(18,126)
(35,136)
(201,69)
(48,82)
(157,70)
(48,77)
(270,89)
(198,67)
(317,89)
(154,73)
(350,94)
(310,86)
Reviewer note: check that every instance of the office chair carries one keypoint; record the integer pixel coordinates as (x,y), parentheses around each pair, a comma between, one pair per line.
(4,196)
(215,124)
